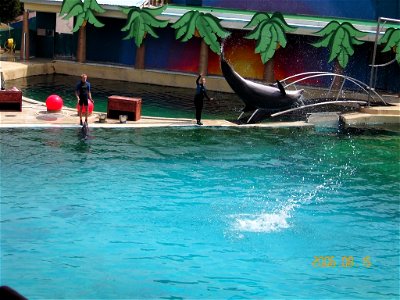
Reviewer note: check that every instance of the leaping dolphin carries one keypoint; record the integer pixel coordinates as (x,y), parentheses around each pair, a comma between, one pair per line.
(257,96)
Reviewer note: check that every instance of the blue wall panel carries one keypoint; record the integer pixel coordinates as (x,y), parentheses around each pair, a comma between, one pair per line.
(169,54)
(106,44)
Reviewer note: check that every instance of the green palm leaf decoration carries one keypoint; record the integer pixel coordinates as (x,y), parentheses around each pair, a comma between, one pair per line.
(83,11)
(205,24)
(340,39)
(142,21)
(269,32)
(392,40)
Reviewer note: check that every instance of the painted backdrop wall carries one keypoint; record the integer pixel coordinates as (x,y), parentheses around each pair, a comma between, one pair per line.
(106,45)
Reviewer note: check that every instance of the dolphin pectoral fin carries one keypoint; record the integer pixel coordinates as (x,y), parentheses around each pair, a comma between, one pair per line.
(281,88)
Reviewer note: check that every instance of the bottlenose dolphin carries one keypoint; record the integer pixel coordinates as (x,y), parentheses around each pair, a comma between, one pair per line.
(85,130)
(257,96)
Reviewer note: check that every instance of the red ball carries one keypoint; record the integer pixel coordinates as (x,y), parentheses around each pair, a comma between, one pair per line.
(90,107)
(54,103)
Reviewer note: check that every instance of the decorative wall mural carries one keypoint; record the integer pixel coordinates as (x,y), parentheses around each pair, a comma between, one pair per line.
(83,11)
(340,40)
(139,22)
(391,39)
(205,25)
(269,32)
(247,51)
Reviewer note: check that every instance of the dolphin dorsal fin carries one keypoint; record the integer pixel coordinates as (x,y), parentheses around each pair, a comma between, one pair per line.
(281,88)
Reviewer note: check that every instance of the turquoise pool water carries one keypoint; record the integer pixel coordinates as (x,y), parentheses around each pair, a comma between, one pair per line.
(199,214)
(157,101)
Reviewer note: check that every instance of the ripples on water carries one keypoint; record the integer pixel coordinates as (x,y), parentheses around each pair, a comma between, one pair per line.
(198,213)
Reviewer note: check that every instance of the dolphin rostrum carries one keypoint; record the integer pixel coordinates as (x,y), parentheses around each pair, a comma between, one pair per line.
(258,96)
(85,130)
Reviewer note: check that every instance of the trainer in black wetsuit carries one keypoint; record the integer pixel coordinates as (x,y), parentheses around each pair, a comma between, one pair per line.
(83,95)
(201,92)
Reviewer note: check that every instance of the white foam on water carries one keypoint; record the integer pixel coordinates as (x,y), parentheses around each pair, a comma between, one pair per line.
(279,217)
(264,222)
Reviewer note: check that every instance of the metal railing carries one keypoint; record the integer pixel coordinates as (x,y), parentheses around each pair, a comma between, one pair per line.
(374,70)
(371,93)
(298,78)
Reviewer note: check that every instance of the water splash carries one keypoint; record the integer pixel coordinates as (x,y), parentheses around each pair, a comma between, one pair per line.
(222,47)
(264,222)
(279,217)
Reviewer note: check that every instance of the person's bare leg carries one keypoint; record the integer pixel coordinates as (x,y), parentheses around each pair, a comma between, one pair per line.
(86,114)
(80,114)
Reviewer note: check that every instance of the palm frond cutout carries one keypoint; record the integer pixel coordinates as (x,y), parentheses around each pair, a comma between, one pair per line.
(205,24)
(391,40)
(340,40)
(269,32)
(83,11)
(139,22)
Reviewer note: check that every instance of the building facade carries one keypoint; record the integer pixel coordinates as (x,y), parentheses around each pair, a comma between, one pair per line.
(51,36)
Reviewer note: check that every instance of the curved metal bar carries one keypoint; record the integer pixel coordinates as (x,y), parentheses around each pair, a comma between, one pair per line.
(317,104)
(330,74)
(305,73)
(301,74)
(385,64)
(357,82)
(320,74)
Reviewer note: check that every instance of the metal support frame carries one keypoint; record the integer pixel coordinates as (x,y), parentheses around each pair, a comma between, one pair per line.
(374,70)
(372,94)
(318,104)
(251,117)
(308,75)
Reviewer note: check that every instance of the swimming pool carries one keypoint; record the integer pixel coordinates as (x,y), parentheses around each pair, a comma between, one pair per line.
(199,213)
(157,101)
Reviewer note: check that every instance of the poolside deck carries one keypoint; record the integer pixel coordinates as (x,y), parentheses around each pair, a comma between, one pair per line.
(34,113)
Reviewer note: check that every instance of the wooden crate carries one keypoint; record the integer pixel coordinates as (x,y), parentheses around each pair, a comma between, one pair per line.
(119,105)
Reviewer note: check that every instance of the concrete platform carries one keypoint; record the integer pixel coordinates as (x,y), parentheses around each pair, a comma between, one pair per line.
(35,114)
(372,116)
(393,110)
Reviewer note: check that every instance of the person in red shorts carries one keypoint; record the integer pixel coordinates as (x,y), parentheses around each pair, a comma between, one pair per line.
(83,95)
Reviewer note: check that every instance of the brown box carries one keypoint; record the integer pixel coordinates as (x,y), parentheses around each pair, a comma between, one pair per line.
(11,100)
(119,105)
